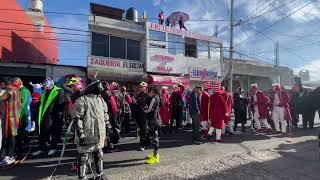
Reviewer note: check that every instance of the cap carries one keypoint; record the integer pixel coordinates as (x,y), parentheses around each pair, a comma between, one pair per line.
(254,85)
(276,84)
(217,86)
(143,84)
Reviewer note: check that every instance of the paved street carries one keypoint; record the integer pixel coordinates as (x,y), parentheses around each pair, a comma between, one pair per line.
(244,156)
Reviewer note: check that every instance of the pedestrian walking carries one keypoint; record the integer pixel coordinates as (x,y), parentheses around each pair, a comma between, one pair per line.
(181,24)
(176,107)
(194,110)
(90,114)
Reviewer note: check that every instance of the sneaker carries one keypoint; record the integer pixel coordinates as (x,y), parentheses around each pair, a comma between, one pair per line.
(197,142)
(5,159)
(52,152)
(8,161)
(141,149)
(151,155)
(37,153)
(153,160)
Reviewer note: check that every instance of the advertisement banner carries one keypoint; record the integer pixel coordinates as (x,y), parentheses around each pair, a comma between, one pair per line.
(115,64)
(166,64)
(203,74)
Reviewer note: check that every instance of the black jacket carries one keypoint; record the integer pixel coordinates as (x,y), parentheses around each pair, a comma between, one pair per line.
(152,112)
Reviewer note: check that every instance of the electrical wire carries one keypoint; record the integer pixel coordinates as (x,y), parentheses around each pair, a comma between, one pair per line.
(274,23)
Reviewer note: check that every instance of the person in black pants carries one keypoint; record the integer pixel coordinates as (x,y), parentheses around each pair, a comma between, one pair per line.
(176,107)
(141,99)
(240,105)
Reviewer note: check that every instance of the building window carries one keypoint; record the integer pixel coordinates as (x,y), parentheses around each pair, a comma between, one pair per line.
(176,45)
(157,35)
(203,49)
(100,45)
(117,47)
(190,47)
(133,50)
(215,51)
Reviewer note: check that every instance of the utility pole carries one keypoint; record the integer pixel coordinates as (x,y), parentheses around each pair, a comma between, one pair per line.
(276,54)
(231,47)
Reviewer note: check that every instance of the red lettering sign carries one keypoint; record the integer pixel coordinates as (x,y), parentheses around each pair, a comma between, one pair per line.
(163,58)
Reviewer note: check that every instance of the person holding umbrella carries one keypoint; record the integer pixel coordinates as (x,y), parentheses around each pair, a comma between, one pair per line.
(181,24)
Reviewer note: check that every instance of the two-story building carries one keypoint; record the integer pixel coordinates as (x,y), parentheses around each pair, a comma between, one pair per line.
(130,50)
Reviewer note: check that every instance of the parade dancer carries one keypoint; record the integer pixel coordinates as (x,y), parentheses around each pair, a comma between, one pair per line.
(280,108)
(126,102)
(261,111)
(10,109)
(164,110)
(50,117)
(118,117)
(141,98)
(25,115)
(204,107)
(90,114)
(35,104)
(228,99)
(152,110)
(218,112)
(113,136)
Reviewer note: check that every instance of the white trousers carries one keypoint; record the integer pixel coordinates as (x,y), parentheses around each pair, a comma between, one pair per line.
(278,118)
(204,125)
(218,132)
(257,121)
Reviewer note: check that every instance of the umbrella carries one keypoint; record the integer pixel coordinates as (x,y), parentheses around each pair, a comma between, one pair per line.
(175,17)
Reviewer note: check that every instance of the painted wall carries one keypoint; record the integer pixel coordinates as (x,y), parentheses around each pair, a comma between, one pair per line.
(21,41)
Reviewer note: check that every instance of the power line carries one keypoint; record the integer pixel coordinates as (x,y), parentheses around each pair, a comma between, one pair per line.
(263,8)
(257,16)
(81,14)
(252,12)
(274,23)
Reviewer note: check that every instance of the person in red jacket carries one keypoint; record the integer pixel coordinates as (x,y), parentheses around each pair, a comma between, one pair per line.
(228,99)
(218,111)
(261,111)
(164,110)
(280,108)
(204,106)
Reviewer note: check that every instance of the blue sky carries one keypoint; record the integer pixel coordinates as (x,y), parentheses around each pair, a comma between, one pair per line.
(298,35)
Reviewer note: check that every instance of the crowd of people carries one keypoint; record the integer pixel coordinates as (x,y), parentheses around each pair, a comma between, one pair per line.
(102,112)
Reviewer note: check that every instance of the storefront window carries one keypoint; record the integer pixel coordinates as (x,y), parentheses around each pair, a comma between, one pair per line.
(100,45)
(190,47)
(133,50)
(215,51)
(157,35)
(176,45)
(203,49)
(117,47)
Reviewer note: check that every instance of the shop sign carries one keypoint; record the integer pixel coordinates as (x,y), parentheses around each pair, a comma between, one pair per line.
(165,64)
(202,74)
(180,32)
(115,64)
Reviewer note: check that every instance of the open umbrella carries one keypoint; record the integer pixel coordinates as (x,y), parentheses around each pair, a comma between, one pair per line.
(175,17)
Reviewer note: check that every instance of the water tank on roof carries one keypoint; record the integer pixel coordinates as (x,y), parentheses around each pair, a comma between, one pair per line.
(132,14)
(36,5)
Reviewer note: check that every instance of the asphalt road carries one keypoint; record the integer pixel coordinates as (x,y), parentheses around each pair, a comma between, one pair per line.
(244,156)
